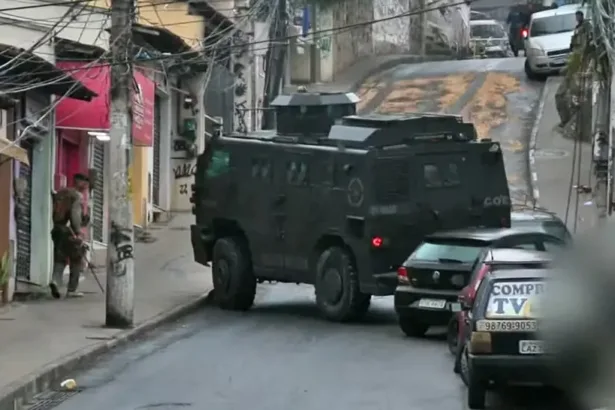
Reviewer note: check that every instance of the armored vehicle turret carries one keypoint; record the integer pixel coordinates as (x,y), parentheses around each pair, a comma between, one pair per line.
(311,115)
(338,200)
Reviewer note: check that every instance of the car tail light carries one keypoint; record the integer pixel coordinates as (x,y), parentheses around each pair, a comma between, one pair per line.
(477,281)
(524,33)
(377,241)
(480,342)
(402,275)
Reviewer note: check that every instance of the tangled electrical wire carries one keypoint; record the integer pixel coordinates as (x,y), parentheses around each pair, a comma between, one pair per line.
(601,14)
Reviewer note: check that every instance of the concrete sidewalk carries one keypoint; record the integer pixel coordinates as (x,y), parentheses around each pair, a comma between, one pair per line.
(553,167)
(35,334)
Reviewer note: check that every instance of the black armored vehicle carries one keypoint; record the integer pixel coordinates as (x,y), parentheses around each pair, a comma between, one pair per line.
(337,200)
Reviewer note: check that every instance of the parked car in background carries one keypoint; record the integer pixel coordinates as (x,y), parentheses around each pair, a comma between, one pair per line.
(523,216)
(490,261)
(548,40)
(477,15)
(489,39)
(500,346)
(430,280)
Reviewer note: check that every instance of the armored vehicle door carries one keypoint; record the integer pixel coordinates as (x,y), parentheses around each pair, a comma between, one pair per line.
(292,210)
(261,203)
(442,187)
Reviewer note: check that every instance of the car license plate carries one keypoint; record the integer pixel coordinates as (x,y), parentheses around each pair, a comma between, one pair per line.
(506,326)
(432,303)
(531,347)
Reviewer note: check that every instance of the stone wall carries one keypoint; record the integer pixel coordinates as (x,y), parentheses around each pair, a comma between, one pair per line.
(447,30)
(350,45)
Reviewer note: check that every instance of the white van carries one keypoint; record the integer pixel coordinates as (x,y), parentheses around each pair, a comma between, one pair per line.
(547,44)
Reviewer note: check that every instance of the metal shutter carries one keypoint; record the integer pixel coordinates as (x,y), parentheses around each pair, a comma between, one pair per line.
(156,176)
(98,193)
(23,224)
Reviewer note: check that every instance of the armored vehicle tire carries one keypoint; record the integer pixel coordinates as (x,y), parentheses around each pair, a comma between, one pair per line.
(412,327)
(337,287)
(234,281)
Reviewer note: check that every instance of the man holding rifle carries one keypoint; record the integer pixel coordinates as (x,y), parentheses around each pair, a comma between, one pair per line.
(70,216)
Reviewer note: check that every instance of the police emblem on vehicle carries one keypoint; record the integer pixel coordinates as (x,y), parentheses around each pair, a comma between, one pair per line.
(436,276)
(355,192)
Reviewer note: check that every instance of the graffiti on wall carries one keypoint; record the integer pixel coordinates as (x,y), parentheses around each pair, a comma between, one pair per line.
(240,64)
(183,178)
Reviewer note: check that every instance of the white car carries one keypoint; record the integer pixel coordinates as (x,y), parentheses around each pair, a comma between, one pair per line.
(489,39)
(547,44)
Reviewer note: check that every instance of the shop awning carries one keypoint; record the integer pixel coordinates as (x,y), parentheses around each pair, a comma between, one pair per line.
(8,149)
(27,69)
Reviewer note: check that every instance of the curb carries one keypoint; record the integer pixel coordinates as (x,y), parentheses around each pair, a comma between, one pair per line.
(533,142)
(17,395)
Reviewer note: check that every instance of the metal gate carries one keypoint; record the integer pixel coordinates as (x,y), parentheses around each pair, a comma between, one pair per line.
(23,222)
(156,173)
(98,192)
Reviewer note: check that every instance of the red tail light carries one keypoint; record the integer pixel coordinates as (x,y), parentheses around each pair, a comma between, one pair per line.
(402,275)
(377,241)
(477,281)
(524,33)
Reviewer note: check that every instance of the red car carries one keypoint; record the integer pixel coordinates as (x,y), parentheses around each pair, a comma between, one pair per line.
(491,260)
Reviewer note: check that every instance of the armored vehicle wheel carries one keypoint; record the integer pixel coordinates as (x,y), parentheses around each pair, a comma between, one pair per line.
(412,327)
(234,281)
(337,287)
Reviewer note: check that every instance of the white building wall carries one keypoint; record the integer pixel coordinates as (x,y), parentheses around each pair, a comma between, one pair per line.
(25,35)
(87,25)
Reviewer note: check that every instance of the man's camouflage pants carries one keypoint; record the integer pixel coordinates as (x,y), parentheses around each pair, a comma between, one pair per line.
(67,249)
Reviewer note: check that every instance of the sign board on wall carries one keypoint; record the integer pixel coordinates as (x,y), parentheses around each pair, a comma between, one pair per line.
(94,115)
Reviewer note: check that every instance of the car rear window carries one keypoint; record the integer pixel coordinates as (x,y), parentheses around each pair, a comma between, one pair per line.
(553,24)
(514,299)
(453,251)
(557,229)
(487,31)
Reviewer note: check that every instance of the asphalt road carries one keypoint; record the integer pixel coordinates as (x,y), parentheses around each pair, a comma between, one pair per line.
(492,93)
(281,355)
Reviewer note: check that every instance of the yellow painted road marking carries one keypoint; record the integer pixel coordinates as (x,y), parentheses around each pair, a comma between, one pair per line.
(513,146)
(487,109)
(412,95)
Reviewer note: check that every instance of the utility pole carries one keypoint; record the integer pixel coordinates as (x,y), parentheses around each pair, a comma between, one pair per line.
(120,243)
(602,160)
(423,19)
(314,60)
(274,66)
(253,68)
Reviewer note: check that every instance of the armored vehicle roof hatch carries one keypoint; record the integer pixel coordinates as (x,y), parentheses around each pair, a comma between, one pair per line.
(311,115)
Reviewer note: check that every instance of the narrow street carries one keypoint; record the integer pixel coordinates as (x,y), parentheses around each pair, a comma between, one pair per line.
(281,355)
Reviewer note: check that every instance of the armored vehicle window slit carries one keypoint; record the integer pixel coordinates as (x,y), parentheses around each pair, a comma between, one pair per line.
(262,169)
(441,176)
(220,163)
(297,173)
